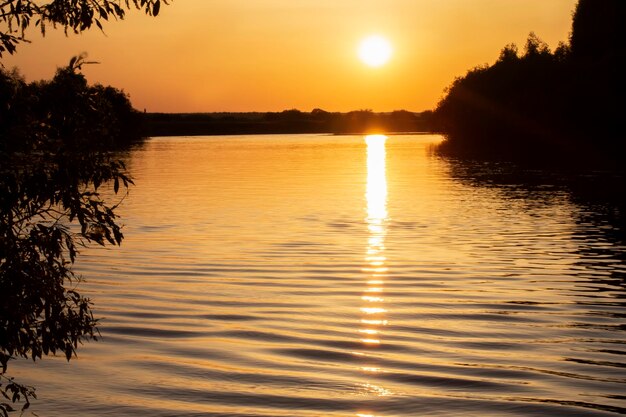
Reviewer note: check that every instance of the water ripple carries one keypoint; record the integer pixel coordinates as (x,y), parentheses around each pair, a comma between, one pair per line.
(302,275)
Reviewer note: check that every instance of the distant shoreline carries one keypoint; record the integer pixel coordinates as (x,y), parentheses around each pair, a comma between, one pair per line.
(417,133)
(286,122)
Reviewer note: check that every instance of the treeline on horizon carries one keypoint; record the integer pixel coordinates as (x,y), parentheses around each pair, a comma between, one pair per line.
(532,104)
(288,121)
(566,104)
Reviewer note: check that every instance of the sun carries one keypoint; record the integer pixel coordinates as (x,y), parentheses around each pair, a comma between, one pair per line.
(375,51)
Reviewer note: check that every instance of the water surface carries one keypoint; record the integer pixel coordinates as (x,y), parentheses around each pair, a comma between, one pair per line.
(332,276)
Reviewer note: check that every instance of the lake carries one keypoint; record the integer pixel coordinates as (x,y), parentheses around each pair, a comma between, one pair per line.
(312,275)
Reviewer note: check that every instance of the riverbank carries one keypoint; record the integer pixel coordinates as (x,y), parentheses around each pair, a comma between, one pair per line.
(285,122)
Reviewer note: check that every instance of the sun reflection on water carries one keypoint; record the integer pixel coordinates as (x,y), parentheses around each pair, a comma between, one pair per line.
(376,193)
(373,310)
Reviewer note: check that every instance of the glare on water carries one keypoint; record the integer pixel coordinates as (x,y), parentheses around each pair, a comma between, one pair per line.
(376,197)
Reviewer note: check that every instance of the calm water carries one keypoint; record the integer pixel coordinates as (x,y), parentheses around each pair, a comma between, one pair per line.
(330,276)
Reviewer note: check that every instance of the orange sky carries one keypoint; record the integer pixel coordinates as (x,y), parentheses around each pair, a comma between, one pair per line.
(271,55)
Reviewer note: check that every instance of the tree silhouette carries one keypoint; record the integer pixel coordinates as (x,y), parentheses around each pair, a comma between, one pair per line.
(598,59)
(55,138)
(598,30)
(16,16)
(55,142)
(545,105)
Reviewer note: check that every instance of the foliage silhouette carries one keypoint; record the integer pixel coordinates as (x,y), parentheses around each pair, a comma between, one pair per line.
(598,60)
(16,16)
(542,104)
(56,139)
(288,121)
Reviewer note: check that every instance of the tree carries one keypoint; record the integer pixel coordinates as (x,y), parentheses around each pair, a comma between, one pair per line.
(535,46)
(16,16)
(55,158)
(506,109)
(55,142)
(546,105)
(509,53)
(598,30)
(598,55)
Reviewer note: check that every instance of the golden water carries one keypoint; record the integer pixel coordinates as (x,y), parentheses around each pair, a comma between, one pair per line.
(312,275)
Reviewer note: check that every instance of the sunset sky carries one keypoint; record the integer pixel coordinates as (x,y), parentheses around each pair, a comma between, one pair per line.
(272,55)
